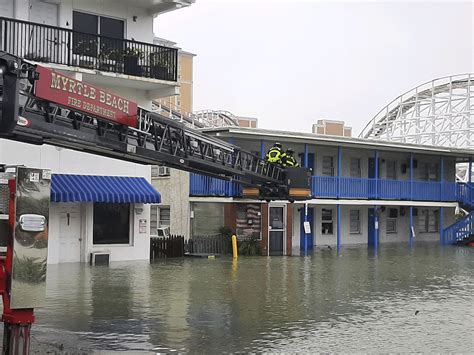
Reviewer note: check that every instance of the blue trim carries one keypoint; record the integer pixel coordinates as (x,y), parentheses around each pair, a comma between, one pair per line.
(306,155)
(202,185)
(338,229)
(377,229)
(339,170)
(107,189)
(441,225)
(306,240)
(376,174)
(411,176)
(262,149)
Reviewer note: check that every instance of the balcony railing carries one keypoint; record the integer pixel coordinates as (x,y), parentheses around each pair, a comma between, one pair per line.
(201,185)
(49,44)
(346,187)
(349,188)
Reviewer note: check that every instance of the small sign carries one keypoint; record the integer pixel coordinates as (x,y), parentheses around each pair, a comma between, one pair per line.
(142,226)
(376,224)
(46,175)
(34,177)
(307,228)
(413,231)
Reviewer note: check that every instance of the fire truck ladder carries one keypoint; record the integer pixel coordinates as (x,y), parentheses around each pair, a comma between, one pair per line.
(155,140)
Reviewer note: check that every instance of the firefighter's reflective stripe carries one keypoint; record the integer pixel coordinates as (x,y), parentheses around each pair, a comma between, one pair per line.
(289,161)
(274,155)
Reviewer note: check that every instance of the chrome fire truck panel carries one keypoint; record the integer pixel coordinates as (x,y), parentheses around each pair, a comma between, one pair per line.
(30,237)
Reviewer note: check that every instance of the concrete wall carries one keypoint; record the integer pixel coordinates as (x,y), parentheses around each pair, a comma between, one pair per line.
(320,151)
(347,238)
(141,29)
(174,191)
(61,160)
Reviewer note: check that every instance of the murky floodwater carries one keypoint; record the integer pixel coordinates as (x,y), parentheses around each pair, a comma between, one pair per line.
(355,302)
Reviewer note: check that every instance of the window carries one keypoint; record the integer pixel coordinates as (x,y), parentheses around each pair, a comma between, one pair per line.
(207,218)
(86,42)
(355,168)
(391,170)
(392,217)
(327,226)
(428,221)
(328,166)
(429,171)
(354,222)
(159,218)
(111,223)
(248,221)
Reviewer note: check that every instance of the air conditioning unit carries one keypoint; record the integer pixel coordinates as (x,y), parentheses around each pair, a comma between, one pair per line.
(163,231)
(159,171)
(100,258)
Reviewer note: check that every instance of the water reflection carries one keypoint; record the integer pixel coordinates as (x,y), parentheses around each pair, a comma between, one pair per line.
(324,302)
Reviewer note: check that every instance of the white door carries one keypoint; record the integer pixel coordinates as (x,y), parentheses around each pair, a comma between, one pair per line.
(70,237)
(44,12)
(6,8)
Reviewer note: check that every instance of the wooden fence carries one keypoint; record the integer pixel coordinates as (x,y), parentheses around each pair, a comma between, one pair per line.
(214,244)
(169,247)
(175,246)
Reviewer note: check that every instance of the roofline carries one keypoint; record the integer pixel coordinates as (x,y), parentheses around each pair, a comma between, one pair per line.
(334,140)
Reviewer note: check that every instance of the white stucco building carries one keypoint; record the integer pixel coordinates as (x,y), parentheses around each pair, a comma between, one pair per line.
(108,43)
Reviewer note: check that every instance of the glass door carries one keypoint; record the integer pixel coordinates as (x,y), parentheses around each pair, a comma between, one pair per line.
(276,230)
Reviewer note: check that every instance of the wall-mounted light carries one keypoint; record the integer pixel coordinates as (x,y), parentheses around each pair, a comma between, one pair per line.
(134,18)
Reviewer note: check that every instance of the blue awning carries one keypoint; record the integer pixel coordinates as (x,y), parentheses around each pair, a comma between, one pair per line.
(110,189)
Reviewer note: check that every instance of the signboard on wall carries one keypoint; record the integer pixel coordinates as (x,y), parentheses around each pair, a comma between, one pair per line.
(81,96)
(142,226)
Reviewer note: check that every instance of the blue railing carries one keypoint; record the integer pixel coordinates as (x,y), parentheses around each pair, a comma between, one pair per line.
(460,230)
(465,194)
(201,185)
(346,187)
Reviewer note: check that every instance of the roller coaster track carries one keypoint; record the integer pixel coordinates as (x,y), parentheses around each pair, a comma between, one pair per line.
(439,113)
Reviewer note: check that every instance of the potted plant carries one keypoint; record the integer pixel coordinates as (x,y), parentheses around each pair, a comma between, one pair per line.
(159,65)
(130,61)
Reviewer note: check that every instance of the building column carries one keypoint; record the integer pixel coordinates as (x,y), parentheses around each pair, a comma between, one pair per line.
(338,229)
(305,234)
(441,178)
(339,170)
(441,225)
(412,236)
(305,160)
(469,176)
(377,228)
(411,176)
(376,175)
(262,149)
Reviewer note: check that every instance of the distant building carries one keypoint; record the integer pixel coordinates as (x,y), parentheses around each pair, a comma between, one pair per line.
(332,128)
(183,101)
(249,122)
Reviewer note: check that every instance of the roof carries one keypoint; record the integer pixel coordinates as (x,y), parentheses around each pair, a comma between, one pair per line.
(361,143)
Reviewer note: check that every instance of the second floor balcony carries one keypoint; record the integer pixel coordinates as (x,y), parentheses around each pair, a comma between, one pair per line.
(334,187)
(56,45)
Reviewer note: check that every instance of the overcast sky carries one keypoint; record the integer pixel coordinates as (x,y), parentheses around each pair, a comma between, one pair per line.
(291,62)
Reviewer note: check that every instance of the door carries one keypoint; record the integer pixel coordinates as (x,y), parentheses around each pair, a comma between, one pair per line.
(276,230)
(310,240)
(70,238)
(371,231)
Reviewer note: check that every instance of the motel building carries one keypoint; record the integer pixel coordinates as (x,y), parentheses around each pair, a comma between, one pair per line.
(98,205)
(363,192)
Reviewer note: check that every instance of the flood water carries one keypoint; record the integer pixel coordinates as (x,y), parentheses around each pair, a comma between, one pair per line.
(356,302)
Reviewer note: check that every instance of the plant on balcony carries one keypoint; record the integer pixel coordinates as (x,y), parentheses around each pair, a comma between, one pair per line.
(130,61)
(159,65)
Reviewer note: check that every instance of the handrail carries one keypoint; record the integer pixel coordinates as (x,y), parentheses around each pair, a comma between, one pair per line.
(52,44)
(459,230)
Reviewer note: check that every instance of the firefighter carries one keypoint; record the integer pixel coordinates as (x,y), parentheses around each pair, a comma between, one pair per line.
(288,160)
(274,155)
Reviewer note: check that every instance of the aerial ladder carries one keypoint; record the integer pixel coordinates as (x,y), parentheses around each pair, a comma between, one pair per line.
(41,106)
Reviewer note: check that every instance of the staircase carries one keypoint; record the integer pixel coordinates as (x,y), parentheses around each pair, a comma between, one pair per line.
(464,228)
